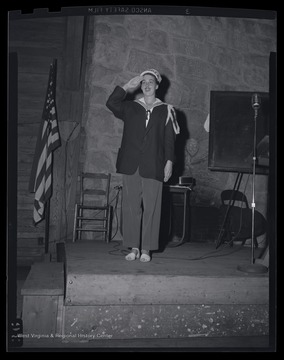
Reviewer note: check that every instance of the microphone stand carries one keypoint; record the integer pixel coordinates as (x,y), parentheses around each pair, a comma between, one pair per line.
(253,267)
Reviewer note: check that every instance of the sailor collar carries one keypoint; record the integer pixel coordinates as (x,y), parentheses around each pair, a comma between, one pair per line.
(171,112)
(142,102)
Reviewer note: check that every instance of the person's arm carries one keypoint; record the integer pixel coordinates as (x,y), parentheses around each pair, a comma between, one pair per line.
(115,101)
(170,137)
(168,170)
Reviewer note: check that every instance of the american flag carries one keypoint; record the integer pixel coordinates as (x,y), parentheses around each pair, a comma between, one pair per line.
(48,141)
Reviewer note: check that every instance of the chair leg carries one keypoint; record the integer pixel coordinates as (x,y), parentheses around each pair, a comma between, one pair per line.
(107,225)
(229,238)
(75,224)
(79,212)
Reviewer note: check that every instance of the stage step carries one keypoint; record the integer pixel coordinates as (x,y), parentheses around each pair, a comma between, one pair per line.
(108,289)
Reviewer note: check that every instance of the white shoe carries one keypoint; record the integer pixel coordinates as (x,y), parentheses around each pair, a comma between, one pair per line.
(145,257)
(134,254)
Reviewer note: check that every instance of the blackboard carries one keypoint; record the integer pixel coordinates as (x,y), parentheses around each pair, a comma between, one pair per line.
(231,131)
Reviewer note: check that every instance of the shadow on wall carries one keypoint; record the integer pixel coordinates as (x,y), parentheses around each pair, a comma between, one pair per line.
(181,139)
(180,145)
(181,119)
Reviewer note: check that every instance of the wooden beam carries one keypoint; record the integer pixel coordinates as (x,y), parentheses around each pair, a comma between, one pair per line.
(70,96)
(74,43)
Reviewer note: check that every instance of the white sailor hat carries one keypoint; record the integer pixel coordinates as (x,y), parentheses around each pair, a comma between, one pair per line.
(153,72)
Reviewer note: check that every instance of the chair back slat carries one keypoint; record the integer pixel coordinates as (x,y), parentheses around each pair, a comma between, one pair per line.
(231,196)
(89,186)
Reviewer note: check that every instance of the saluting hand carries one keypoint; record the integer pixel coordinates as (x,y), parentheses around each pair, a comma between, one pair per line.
(133,83)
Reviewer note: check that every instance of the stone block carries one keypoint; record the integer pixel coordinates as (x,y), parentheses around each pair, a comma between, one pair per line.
(98,95)
(188,68)
(101,29)
(137,26)
(257,78)
(139,60)
(249,26)
(195,95)
(100,121)
(158,41)
(267,30)
(98,161)
(260,45)
(190,47)
(175,25)
(99,74)
(111,52)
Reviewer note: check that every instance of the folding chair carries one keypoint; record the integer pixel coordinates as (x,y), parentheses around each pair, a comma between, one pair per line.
(239,217)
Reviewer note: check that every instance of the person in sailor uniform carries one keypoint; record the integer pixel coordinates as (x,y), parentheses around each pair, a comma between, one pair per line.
(145,159)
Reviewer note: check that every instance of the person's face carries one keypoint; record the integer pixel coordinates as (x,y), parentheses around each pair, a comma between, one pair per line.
(149,85)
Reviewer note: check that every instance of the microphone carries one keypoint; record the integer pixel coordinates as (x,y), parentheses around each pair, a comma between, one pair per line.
(255,101)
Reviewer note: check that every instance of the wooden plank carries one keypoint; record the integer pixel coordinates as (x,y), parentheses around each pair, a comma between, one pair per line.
(74,41)
(24,206)
(37,60)
(47,31)
(31,115)
(40,315)
(26,156)
(171,276)
(41,52)
(45,279)
(23,185)
(28,235)
(26,198)
(33,85)
(37,242)
(27,260)
(70,103)
(29,252)
(26,226)
(24,169)
(28,130)
(37,42)
(29,106)
(113,289)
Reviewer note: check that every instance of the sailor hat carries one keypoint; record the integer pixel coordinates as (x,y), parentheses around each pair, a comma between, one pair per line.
(153,72)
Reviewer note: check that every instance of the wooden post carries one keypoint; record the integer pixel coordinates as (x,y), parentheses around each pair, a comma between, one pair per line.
(69,108)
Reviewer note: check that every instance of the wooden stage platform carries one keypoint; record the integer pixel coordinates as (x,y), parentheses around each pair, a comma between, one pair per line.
(191,291)
(191,273)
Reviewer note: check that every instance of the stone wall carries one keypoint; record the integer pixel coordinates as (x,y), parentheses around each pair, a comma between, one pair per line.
(194,56)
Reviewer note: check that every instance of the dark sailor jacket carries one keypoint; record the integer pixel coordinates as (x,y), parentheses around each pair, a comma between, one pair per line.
(145,147)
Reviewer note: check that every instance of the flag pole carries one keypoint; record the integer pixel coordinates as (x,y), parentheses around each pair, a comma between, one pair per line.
(48,141)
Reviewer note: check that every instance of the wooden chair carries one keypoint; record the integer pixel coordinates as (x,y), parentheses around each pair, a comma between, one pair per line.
(239,217)
(93,212)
